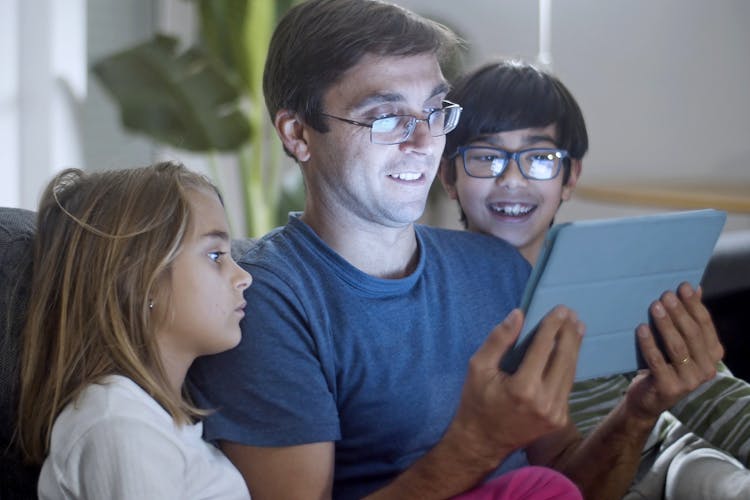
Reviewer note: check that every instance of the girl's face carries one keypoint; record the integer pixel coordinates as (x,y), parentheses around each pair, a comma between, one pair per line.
(205,292)
(510,206)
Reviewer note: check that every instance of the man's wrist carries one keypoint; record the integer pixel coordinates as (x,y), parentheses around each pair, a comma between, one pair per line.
(472,448)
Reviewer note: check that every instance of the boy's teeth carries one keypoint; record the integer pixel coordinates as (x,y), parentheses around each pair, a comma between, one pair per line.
(516,209)
(407,176)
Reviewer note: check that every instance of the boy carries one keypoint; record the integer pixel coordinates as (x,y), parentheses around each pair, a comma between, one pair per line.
(513,159)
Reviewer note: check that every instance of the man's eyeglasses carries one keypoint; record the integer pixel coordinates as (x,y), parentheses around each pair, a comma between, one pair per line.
(540,164)
(396,129)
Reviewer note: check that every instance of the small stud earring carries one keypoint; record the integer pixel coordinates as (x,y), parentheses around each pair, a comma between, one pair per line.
(150,304)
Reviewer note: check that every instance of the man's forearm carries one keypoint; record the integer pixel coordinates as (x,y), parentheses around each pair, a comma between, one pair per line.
(604,464)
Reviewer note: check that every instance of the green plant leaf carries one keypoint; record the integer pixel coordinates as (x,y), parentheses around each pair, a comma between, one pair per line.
(222,23)
(185,100)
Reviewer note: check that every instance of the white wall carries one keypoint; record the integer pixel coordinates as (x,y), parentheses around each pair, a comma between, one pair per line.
(52,115)
(9,104)
(42,84)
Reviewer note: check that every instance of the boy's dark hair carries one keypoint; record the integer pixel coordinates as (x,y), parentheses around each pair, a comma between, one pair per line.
(317,41)
(511,95)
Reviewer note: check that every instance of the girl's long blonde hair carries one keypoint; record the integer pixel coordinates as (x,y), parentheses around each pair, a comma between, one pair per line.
(103,250)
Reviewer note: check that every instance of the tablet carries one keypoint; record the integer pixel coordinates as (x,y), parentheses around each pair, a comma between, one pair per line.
(609,272)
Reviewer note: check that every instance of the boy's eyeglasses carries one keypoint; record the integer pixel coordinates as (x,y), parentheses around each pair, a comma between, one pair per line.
(396,129)
(539,164)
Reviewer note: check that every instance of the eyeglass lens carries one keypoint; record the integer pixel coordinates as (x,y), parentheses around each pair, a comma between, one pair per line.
(395,129)
(538,164)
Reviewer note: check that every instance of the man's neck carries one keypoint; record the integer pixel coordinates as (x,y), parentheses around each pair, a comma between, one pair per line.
(378,250)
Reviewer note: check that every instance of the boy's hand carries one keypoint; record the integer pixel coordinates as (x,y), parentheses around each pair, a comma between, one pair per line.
(500,412)
(692,350)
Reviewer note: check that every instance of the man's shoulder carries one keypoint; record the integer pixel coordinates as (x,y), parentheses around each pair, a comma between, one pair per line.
(287,255)
(472,259)
(468,242)
(279,244)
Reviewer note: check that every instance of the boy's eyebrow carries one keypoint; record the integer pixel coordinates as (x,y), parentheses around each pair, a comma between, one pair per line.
(539,138)
(390,97)
(530,139)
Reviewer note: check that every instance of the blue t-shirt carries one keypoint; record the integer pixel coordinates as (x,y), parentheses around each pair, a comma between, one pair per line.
(329,353)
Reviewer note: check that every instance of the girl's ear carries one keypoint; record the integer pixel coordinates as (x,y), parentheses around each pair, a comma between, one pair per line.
(291,131)
(448,181)
(158,301)
(575,173)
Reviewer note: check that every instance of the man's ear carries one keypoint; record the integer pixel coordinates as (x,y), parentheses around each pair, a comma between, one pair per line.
(575,173)
(450,187)
(292,133)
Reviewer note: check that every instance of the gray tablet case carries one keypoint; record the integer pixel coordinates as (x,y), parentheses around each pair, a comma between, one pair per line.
(609,272)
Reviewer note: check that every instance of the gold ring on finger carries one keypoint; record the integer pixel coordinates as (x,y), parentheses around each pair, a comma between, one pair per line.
(685,360)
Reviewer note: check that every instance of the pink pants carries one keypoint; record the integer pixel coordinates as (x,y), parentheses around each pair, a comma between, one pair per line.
(526,483)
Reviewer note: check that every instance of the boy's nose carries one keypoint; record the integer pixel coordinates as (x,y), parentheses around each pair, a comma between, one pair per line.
(512,175)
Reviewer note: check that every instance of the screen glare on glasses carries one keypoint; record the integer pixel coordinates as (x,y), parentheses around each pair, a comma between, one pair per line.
(396,129)
(537,164)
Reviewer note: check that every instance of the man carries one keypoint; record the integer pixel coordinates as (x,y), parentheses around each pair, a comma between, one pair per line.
(513,159)
(370,351)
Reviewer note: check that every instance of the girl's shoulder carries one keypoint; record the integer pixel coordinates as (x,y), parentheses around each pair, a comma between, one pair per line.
(111,403)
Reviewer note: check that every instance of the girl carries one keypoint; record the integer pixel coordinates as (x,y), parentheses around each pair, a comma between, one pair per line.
(133,279)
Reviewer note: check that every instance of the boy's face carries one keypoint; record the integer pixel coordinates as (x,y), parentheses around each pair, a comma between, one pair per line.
(512,207)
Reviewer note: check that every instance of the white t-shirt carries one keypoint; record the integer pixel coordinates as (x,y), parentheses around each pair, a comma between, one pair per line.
(116,442)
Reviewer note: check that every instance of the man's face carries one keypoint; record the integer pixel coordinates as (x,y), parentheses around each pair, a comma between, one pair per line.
(353,180)
(512,207)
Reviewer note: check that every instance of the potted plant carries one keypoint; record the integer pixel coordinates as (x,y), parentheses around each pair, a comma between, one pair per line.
(208,98)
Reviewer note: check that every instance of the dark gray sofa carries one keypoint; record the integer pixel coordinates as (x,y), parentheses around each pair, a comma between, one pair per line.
(16,232)
(726,289)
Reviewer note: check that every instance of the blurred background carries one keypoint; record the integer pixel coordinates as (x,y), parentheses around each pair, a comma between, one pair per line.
(663,87)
